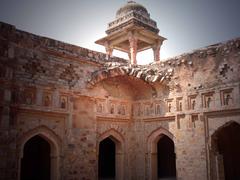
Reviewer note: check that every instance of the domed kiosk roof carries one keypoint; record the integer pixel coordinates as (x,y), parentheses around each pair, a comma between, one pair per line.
(132,6)
(132,31)
(132,13)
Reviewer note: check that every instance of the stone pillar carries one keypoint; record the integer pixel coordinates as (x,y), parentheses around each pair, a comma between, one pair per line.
(109,50)
(156,51)
(132,47)
(129,55)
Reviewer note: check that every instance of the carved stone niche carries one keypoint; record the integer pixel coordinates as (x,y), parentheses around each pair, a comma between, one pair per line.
(169,105)
(100,106)
(193,119)
(226,97)
(158,108)
(137,109)
(122,109)
(112,107)
(208,100)
(28,96)
(63,102)
(179,104)
(47,99)
(192,102)
(148,109)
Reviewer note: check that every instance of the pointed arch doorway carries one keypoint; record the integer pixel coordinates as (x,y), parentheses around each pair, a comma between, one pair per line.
(166,165)
(161,155)
(36,161)
(40,152)
(110,156)
(107,159)
(225,156)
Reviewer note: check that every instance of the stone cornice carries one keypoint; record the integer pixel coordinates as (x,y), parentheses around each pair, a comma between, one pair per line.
(42,111)
(160,118)
(131,22)
(137,17)
(221,113)
(113,119)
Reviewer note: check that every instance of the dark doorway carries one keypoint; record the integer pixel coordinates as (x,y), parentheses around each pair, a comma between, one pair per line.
(35,164)
(106,161)
(166,158)
(228,142)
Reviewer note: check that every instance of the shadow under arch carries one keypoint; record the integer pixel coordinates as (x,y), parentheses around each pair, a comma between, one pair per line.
(118,140)
(121,76)
(152,150)
(55,148)
(224,152)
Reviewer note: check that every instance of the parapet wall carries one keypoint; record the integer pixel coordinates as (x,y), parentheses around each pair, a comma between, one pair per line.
(31,41)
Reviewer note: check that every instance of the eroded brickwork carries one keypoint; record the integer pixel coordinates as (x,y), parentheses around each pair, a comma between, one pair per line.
(75,98)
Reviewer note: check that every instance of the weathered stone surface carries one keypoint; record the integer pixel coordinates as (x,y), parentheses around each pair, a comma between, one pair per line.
(74,99)
(145,73)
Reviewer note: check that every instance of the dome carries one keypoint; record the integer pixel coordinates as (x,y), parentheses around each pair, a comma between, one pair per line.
(132,6)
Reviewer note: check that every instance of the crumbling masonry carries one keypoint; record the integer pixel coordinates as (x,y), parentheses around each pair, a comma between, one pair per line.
(71,104)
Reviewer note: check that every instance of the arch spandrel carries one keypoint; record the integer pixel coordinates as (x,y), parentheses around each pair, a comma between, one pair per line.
(46,134)
(112,134)
(154,137)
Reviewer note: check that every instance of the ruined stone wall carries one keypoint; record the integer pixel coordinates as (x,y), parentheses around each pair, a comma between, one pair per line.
(42,89)
(75,98)
(208,84)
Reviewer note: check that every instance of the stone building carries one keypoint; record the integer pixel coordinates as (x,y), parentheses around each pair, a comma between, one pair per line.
(69,113)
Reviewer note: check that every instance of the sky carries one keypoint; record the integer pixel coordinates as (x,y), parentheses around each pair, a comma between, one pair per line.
(187,24)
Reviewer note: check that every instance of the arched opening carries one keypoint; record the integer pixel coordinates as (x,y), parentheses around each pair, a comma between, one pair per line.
(36,161)
(226,148)
(111,153)
(107,159)
(161,155)
(48,137)
(166,160)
